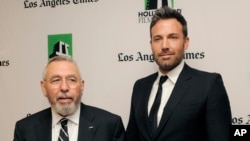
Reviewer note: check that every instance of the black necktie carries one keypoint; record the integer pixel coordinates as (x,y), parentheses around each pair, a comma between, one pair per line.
(63,135)
(155,107)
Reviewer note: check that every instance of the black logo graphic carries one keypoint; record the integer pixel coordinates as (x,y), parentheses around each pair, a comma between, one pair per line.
(152,4)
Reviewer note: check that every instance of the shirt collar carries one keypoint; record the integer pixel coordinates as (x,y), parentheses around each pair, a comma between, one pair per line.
(73,118)
(173,74)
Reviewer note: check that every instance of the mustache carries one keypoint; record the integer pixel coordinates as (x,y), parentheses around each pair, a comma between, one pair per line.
(62,95)
(166,53)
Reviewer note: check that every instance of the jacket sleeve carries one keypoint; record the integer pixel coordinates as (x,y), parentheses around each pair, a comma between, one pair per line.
(119,132)
(17,133)
(218,115)
(132,132)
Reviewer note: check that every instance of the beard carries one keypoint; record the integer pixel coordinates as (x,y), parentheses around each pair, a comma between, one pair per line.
(65,109)
(168,65)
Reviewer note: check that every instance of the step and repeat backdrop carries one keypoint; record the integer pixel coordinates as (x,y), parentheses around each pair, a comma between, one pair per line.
(109,39)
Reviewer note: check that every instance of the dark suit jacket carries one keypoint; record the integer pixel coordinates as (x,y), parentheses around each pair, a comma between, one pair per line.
(107,126)
(197,110)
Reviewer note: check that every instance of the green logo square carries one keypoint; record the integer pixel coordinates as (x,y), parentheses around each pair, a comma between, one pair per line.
(59,44)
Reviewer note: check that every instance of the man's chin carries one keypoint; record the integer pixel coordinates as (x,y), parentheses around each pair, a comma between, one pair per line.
(65,109)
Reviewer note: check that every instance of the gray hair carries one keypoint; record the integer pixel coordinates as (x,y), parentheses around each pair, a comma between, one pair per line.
(59,58)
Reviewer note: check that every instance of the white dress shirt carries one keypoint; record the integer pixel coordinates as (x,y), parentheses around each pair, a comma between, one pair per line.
(159,3)
(167,88)
(73,125)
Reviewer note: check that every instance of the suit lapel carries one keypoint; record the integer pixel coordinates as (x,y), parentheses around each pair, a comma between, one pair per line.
(178,92)
(87,128)
(43,128)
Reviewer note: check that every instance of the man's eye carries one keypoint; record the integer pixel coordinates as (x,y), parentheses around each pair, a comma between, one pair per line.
(156,39)
(72,80)
(173,37)
(55,80)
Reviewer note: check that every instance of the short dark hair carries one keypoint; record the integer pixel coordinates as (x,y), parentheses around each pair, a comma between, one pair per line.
(169,13)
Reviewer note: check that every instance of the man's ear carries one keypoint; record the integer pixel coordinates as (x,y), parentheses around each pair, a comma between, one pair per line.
(186,43)
(82,86)
(42,85)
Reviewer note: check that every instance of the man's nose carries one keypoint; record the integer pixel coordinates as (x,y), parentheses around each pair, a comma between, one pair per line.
(64,85)
(165,44)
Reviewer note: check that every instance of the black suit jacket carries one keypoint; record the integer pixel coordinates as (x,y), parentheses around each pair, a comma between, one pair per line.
(197,110)
(107,126)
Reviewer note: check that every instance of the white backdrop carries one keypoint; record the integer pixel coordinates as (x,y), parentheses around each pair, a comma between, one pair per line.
(104,32)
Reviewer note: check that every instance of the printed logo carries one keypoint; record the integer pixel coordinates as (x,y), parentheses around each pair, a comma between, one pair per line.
(155,4)
(54,3)
(59,44)
(149,9)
